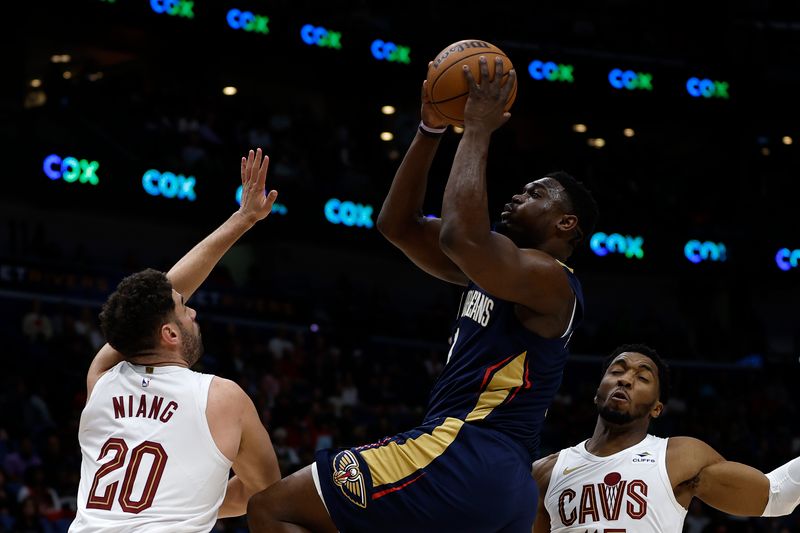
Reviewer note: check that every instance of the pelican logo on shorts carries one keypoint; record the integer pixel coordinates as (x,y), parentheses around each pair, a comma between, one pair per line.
(347,475)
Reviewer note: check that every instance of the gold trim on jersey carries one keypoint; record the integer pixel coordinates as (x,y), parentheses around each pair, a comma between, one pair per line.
(571,270)
(393,462)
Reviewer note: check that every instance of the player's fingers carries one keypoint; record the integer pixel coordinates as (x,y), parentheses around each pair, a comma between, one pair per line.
(484,66)
(250,156)
(470,78)
(262,172)
(254,169)
(505,92)
(244,164)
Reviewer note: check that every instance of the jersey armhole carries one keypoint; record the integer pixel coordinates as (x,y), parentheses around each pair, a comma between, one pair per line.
(205,390)
(662,469)
(553,476)
(572,318)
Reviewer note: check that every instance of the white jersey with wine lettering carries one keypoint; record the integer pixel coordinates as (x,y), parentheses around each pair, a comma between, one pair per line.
(149,460)
(628,492)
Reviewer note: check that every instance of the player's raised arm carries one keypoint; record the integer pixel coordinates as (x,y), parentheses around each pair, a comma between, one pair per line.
(194,267)
(401,219)
(531,277)
(734,488)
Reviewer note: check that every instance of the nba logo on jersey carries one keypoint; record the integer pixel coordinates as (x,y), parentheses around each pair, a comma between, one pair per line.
(145,382)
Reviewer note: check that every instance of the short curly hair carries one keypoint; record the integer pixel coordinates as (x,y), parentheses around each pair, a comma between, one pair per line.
(132,315)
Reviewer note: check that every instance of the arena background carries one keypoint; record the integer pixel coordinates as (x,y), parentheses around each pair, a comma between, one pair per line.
(335,335)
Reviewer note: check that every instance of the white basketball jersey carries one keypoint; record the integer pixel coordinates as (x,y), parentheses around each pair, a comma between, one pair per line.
(149,460)
(628,492)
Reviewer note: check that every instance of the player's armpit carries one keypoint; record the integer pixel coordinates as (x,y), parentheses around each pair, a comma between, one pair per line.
(421,245)
(106,359)
(528,277)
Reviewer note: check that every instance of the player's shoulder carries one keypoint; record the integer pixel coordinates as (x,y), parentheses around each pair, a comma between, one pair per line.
(685,445)
(226,394)
(543,468)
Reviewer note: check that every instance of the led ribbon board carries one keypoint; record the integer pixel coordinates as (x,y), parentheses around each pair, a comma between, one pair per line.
(247,21)
(550,71)
(348,213)
(707,88)
(71,169)
(175,8)
(630,80)
(696,251)
(319,36)
(787,259)
(630,246)
(391,52)
(169,185)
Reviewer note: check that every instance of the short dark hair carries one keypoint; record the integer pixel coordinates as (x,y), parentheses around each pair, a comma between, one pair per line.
(132,315)
(663,367)
(583,203)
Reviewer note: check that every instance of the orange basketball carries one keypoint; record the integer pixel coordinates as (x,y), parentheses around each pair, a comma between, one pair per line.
(447,85)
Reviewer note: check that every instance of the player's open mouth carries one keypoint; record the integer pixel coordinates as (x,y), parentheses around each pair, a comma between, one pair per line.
(621,396)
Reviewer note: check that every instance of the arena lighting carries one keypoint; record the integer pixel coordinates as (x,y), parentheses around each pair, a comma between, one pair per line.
(596,143)
(628,79)
(628,132)
(229,90)
(707,88)
(458,129)
(787,259)
(391,52)
(179,8)
(317,35)
(696,251)
(787,140)
(603,244)
(36,83)
(348,213)
(580,128)
(71,169)
(169,185)
(277,209)
(247,21)
(67,74)
(388,110)
(550,71)
(387,136)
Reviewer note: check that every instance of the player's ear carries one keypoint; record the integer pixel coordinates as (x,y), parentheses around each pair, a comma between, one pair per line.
(169,334)
(657,409)
(568,222)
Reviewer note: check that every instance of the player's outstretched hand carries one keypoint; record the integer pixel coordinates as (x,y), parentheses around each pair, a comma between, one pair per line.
(256,204)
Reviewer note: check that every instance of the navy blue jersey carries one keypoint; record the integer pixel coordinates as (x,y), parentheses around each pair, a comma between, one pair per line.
(473,452)
(498,373)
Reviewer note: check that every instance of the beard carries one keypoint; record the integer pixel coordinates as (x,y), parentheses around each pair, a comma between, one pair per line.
(619,418)
(191,344)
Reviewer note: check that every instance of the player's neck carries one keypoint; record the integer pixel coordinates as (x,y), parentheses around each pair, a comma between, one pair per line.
(609,439)
(556,248)
(159,359)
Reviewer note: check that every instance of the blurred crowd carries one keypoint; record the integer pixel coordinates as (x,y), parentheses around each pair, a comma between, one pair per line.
(318,388)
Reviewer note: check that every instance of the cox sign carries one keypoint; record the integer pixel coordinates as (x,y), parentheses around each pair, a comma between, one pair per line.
(390,52)
(787,259)
(169,185)
(181,8)
(71,169)
(696,251)
(628,79)
(707,88)
(316,35)
(348,213)
(247,21)
(603,244)
(550,71)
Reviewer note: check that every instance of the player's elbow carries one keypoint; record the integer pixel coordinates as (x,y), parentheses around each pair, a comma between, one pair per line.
(259,514)
(455,243)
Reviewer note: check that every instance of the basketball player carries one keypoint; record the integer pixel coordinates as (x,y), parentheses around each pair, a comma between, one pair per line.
(466,468)
(159,440)
(623,479)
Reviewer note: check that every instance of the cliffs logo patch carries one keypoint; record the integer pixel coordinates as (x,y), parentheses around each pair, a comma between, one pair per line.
(348,477)
(645,457)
